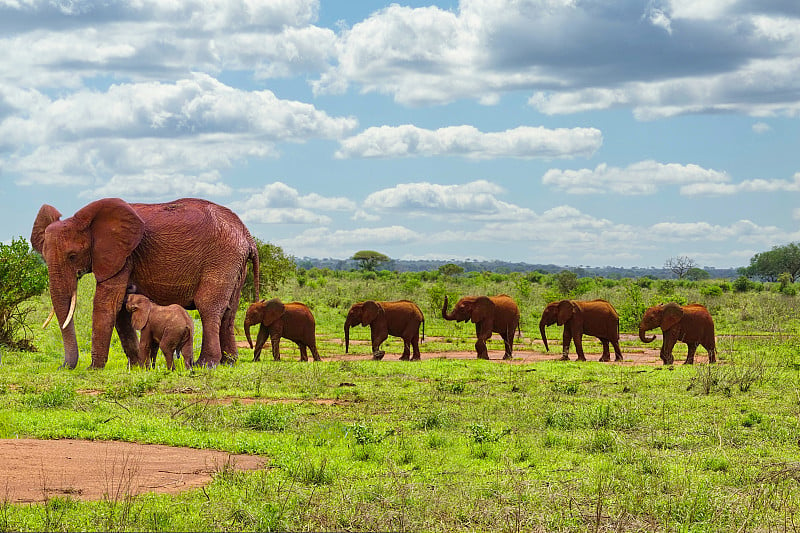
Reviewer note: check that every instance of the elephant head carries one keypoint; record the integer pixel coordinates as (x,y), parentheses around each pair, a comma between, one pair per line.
(98,238)
(664,316)
(557,313)
(263,312)
(474,308)
(364,314)
(139,306)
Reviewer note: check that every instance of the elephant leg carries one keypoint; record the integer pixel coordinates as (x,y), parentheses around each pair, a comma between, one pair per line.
(606,351)
(210,351)
(227,337)
(314,353)
(303,351)
(566,339)
(692,348)
(406,350)
(617,350)
(151,361)
(712,352)
(378,337)
(275,340)
(187,352)
(213,303)
(667,345)
(508,343)
(416,356)
(577,337)
(484,334)
(168,349)
(107,304)
(263,335)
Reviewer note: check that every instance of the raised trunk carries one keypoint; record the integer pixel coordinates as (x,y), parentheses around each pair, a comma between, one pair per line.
(544,336)
(247,326)
(642,331)
(444,311)
(63,304)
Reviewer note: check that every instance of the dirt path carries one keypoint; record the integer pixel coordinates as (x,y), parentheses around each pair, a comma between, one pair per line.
(37,470)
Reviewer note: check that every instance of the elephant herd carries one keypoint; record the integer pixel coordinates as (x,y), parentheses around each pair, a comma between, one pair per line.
(151,262)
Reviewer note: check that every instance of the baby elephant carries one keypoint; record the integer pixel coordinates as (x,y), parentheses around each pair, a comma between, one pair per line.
(167,327)
(293,321)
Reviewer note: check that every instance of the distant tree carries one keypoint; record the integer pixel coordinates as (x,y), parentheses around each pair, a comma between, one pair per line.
(275,267)
(369,259)
(450,269)
(680,265)
(23,275)
(697,274)
(769,265)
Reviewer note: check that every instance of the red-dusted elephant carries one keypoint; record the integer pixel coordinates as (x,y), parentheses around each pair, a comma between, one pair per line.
(495,314)
(597,318)
(189,252)
(168,327)
(399,319)
(691,324)
(293,321)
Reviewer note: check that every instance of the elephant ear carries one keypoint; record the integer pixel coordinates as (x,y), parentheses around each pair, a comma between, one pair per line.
(371,311)
(671,315)
(116,230)
(271,311)
(47,215)
(140,313)
(566,310)
(482,309)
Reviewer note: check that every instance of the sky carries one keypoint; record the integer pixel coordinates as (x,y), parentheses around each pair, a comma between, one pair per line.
(569,132)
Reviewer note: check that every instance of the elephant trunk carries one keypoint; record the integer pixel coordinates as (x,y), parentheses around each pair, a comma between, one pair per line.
(64,305)
(642,331)
(444,310)
(347,335)
(247,326)
(544,335)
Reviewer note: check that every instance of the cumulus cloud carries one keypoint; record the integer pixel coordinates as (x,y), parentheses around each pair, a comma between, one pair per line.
(466,141)
(327,242)
(278,203)
(756,185)
(639,178)
(471,201)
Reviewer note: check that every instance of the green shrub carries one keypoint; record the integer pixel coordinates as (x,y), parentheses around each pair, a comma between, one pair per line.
(23,275)
(268,418)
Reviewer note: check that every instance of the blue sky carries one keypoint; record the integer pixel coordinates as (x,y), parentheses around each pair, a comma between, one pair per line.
(547,131)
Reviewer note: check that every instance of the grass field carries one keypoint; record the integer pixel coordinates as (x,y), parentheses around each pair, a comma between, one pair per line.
(444,444)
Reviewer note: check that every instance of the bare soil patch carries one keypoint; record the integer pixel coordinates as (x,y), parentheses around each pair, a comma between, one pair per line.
(37,470)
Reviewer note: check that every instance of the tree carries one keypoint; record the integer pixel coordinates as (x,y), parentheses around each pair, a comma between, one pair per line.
(450,269)
(567,282)
(697,274)
(680,265)
(771,264)
(275,267)
(23,275)
(369,259)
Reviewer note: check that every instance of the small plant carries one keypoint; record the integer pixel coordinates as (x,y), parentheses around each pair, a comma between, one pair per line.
(481,434)
(268,418)
(310,472)
(364,434)
(453,387)
(57,396)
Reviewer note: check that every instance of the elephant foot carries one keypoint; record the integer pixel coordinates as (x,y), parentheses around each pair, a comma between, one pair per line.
(688,362)
(405,357)
(507,356)
(618,358)
(318,358)
(483,356)
(416,358)
(377,356)
(564,357)
(605,359)
(582,359)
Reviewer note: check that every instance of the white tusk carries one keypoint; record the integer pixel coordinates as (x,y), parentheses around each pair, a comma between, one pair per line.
(71,309)
(49,317)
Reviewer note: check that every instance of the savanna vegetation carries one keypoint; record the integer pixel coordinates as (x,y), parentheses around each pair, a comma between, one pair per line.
(444,444)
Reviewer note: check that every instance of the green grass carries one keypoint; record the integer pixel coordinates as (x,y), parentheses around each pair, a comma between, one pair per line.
(443,444)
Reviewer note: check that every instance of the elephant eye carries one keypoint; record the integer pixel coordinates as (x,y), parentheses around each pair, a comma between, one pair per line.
(72,257)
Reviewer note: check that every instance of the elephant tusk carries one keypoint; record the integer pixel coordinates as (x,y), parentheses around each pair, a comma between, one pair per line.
(71,309)
(49,318)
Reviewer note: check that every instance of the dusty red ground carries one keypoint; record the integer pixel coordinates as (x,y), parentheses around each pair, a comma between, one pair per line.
(35,470)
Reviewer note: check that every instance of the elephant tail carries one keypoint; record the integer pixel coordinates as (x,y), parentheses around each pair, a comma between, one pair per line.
(253,256)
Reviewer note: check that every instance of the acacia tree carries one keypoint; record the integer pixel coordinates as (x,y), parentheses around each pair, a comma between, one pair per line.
(771,264)
(450,269)
(680,266)
(370,259)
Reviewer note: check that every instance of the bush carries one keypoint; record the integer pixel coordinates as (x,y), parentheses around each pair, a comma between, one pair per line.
(23,275)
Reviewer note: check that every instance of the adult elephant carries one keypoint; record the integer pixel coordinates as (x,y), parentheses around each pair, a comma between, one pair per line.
(597,318)
(189,252)
(495,314)
(293,321)
(400,318)
(691,324)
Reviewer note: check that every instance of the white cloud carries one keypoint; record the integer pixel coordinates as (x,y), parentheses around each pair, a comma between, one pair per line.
(154,187)
(761,127)
(325,242)
(278,203)
(756,185)
(471,201)
(467,141)
(639,178)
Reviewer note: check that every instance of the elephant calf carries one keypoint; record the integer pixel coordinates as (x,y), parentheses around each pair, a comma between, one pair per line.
(490,314)
(596,317)
(293,321)
(691,324)
(167,327)
(399,319)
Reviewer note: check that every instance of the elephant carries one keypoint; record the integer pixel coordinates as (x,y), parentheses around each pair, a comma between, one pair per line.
(495,314)
(401,318)
(168,327)
(189,252)
(293,321)
(596,317)
(691,324)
